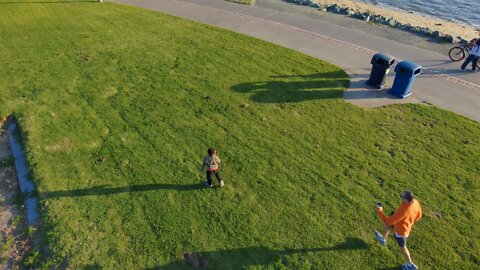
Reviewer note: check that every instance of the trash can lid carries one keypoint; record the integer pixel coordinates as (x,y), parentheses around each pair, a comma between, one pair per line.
(383,56)
(408,65)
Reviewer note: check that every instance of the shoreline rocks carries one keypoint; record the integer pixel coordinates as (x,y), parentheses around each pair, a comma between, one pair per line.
(382,20)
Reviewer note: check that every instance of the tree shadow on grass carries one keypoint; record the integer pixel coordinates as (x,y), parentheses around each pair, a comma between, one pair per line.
(92,267)
(320,75)
(242,258)
(106,190)
(285,89)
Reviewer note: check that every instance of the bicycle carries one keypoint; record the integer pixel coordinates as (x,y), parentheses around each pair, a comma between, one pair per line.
(458,53)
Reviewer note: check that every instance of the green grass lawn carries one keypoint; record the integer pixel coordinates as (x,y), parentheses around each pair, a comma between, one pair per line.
(112,101)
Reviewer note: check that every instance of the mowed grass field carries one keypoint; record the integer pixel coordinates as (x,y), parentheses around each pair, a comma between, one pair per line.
(118,106)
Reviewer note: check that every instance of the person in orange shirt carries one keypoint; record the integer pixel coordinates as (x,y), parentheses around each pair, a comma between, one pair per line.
(402,221)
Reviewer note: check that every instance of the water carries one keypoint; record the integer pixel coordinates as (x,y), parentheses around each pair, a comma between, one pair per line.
(463,11)
(27,187)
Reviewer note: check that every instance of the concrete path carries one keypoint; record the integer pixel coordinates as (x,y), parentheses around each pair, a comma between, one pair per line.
(440,84)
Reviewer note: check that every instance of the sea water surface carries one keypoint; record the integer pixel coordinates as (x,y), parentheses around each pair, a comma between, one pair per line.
(463,11)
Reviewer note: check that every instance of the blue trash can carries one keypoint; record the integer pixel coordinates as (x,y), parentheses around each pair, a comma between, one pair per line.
(381,64)
(406,72)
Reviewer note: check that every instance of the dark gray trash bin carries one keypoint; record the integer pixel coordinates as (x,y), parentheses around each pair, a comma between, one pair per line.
(406,72)
(381,64)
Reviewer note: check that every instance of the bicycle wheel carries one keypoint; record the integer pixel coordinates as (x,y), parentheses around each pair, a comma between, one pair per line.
(456,54)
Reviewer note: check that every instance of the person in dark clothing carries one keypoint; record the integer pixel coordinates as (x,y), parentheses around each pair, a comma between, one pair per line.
(473,57)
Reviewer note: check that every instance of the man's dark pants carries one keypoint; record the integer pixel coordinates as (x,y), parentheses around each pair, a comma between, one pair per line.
(471,59)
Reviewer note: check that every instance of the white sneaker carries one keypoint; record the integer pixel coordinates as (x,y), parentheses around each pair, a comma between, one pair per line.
(222,184)
(461,70)
(409,266)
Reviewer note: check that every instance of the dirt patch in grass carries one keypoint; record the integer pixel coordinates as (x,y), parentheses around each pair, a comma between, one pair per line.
(245,2)
(63,145)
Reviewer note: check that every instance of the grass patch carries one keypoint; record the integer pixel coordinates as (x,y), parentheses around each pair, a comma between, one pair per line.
(245,2)
(118,105)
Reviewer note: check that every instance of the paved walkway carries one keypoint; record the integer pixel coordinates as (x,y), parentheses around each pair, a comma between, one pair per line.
(440,84)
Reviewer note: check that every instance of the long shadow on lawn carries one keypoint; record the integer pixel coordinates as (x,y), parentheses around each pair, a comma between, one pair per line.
(106,190)
(327,85)
(242,258)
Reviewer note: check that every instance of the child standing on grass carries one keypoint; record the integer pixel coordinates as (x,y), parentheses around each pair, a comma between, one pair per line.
(211,163)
